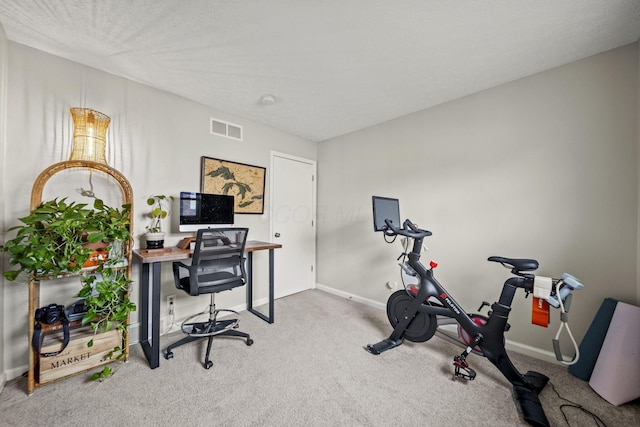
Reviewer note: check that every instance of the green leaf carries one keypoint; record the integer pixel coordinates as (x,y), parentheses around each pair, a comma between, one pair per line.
(98,204)
(90,343)
(95,237)
(11,275)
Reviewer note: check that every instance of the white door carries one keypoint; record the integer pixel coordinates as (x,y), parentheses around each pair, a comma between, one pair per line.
(293,223)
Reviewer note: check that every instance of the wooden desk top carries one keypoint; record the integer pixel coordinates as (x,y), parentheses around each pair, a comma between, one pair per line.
(173,253)
(257,245)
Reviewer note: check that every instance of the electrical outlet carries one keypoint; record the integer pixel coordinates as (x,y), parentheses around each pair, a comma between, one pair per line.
(171,300)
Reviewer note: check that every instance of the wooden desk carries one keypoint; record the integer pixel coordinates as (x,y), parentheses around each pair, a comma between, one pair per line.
(152,260)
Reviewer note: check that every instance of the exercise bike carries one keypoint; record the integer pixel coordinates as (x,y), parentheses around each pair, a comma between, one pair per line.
(416,313)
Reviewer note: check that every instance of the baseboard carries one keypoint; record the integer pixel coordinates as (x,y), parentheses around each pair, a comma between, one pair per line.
(525,349)
(12,373)
(3,381)
(534,352)
(346,295)
(134,333)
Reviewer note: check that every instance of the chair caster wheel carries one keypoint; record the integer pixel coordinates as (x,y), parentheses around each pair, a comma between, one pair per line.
(249,341)
(208,364)
(168,355)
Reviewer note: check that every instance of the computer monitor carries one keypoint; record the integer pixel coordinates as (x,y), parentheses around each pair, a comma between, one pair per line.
(385,208)
(201,210)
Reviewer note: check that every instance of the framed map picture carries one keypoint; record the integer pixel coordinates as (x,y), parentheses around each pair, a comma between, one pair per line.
(244,182)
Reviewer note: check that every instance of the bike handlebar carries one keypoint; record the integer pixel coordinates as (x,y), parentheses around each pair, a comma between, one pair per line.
(408,229)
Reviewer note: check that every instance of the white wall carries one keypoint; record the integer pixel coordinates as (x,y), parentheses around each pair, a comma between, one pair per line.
(155,139)
(545,167)
(638,135)
(3,107)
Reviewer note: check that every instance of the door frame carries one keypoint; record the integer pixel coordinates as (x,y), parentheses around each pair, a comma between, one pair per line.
(314,188)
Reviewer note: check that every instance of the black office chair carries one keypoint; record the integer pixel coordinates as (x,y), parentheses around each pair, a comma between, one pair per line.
(217,265)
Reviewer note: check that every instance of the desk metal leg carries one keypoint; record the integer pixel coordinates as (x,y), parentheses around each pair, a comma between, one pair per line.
(271,286)
(250,308)
(151,349)
(250,282)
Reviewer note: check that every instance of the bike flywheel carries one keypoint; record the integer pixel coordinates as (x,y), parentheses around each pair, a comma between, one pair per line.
(423,325)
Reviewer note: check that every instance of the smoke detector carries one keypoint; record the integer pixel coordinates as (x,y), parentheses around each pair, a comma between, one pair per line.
(268,99)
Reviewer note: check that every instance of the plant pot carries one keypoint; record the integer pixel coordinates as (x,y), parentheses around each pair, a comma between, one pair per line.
(154,240)
(95,258)
(98,255)
(116,249)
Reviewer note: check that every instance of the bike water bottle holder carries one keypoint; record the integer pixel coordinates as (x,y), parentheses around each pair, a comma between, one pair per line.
(407,269)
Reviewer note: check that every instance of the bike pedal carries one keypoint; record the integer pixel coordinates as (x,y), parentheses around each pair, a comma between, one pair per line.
(462,370)
(468,374)
(472,374)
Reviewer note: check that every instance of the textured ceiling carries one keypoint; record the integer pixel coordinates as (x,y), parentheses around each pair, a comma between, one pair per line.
(334,66)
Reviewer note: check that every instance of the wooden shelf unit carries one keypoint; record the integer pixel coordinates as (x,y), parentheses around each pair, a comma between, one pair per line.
(34,381)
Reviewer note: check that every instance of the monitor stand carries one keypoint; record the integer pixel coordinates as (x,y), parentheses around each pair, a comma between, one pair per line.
(186,242)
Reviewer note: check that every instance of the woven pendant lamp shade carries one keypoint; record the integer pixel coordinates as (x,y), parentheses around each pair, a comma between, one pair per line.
(89,135)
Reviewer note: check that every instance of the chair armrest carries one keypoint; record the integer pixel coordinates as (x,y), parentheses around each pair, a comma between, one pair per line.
(177,265)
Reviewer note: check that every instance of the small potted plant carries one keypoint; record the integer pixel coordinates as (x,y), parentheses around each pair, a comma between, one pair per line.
(114,225)
(154,236)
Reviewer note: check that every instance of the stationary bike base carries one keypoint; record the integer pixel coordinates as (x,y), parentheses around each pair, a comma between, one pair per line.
(527,397)
(384,345)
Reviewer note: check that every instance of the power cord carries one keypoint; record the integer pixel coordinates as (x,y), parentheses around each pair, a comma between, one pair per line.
(89,192)
(574,405)
(172,313)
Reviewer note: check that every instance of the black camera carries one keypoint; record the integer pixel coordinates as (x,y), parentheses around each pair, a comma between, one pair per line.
(50,314)
(76,311)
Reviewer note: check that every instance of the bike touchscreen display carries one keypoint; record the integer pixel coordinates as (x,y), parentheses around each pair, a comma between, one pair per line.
(385,208)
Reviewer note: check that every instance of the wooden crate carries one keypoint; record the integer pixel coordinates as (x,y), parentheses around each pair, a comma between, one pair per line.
(76,357)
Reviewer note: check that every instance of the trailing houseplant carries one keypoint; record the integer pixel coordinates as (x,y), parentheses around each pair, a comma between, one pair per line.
(159,210)
(108,306)
(53,240)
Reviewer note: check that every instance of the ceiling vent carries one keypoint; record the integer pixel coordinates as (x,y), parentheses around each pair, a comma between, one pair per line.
(226,129)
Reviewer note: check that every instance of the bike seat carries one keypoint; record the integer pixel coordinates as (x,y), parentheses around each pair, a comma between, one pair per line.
(518,264)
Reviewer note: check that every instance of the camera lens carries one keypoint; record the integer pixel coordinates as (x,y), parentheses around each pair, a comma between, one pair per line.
(53,315)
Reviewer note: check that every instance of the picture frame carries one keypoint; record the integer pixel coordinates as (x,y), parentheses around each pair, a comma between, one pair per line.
(244,182)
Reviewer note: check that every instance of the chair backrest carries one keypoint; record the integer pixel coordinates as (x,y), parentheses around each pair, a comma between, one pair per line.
(218,258)
(218,243)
